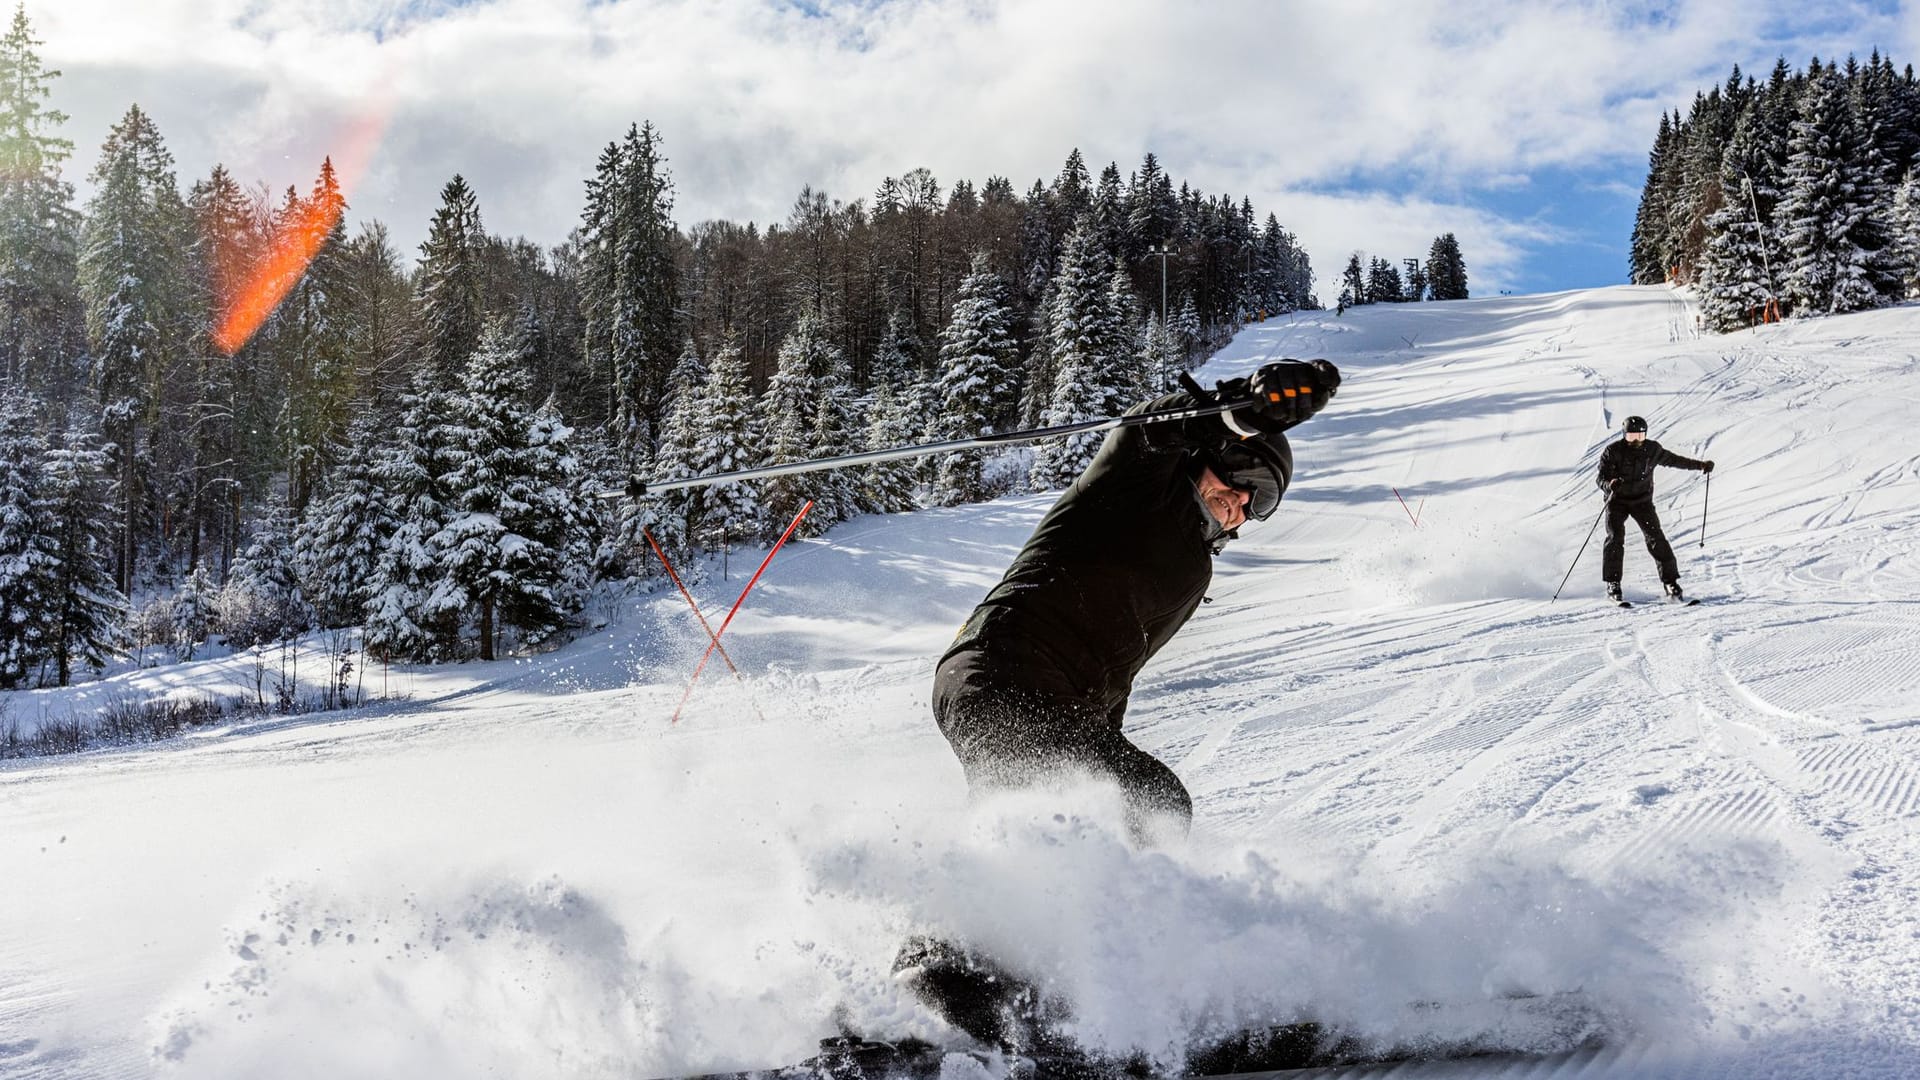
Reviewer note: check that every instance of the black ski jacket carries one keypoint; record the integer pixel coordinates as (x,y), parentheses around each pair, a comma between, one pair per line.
(1633,466)
(1113,571)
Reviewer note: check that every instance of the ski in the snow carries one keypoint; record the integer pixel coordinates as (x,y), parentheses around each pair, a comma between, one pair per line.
(1557,1027)
(1692,601)
(852,1058)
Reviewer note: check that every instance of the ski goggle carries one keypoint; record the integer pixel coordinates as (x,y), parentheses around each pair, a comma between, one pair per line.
(1259,469)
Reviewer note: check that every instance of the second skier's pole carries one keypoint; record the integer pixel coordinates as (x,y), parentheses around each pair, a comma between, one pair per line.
(1583,547)
(1704,494)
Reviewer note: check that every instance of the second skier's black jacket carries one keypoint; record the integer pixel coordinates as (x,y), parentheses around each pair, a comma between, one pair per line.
(1112,572)
(1633,466)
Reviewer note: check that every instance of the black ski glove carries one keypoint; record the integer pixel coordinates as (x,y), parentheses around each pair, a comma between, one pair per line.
(1284,394)
(1706,466)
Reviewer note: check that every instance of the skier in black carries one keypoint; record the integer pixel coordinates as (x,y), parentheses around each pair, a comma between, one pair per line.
(1036,683)
(1626,475)
(1037,680)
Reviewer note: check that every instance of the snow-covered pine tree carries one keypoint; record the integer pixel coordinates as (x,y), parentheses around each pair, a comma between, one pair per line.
(448,290)
(1906,231)
(230,419)
(559,513)
(1185,331)
(888,487)
(1123,326)
(1070,196)
(85,611)
(977,358)
(1832,215)
(677,513)
(1038,249)
(1152,212)
(319,372)
(1736,270)
(1091,379)
(1889,108)
(630,285)
(265,599)
(41,326)
(378,324)
(1107,215)
(1446,269)
(833,433)
(345,533)
(1383,283)
(788,415)
(1159,358)
(1036,382)
(1273,269)
(28,559)
(412,472)
(195,611)
(896,360)
(1647,258)
(727,443)
(1353,281)
(493,554)
(130,282)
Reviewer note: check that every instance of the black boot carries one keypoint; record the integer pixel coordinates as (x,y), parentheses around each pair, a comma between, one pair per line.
(972,993)
(1613,591)
(1674,594)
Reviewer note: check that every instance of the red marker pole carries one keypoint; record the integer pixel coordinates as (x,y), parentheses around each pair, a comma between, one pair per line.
(724,623)
(697,613)
(1404,506)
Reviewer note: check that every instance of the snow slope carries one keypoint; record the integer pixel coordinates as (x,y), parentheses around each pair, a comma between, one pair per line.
(1416,778)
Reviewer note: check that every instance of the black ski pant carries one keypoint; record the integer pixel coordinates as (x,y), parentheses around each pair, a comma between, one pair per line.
(1008,734)
(1613,551)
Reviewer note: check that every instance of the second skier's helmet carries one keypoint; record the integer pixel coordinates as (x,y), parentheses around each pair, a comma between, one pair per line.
(1635,423)
(1261,466)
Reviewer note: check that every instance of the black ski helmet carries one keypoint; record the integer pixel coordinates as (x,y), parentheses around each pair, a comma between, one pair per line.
(1262,466)
(1635,423)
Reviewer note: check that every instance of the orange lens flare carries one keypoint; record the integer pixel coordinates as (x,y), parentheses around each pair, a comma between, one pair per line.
(275,275)
(296,242)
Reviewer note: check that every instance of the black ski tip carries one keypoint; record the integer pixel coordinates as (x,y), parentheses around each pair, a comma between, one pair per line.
(1622,603)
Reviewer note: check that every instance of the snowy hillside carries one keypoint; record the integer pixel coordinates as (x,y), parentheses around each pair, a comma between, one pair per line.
(1416,780)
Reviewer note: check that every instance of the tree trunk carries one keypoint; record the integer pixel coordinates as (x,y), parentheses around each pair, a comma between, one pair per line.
(486,629)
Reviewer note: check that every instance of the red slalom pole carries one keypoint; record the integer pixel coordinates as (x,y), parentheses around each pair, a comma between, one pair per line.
(704,625)
(724,623)
(1404,506)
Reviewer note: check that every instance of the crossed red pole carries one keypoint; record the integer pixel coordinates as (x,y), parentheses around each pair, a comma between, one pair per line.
(697,613)
(713,637)
(1411,516)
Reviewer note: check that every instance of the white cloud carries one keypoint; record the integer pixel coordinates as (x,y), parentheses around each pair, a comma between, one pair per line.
(755,99)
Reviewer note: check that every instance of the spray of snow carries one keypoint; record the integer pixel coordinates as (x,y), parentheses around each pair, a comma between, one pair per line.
(1445,561)
(1154,948)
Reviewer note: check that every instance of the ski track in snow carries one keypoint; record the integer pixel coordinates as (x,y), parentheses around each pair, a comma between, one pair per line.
(1416,779)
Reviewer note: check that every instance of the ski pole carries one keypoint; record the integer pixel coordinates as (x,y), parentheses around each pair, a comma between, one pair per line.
(1583,547)
(641,487)
(1704,494)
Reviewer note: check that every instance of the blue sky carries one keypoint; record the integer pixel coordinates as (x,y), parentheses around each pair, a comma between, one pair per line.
(1371,126)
